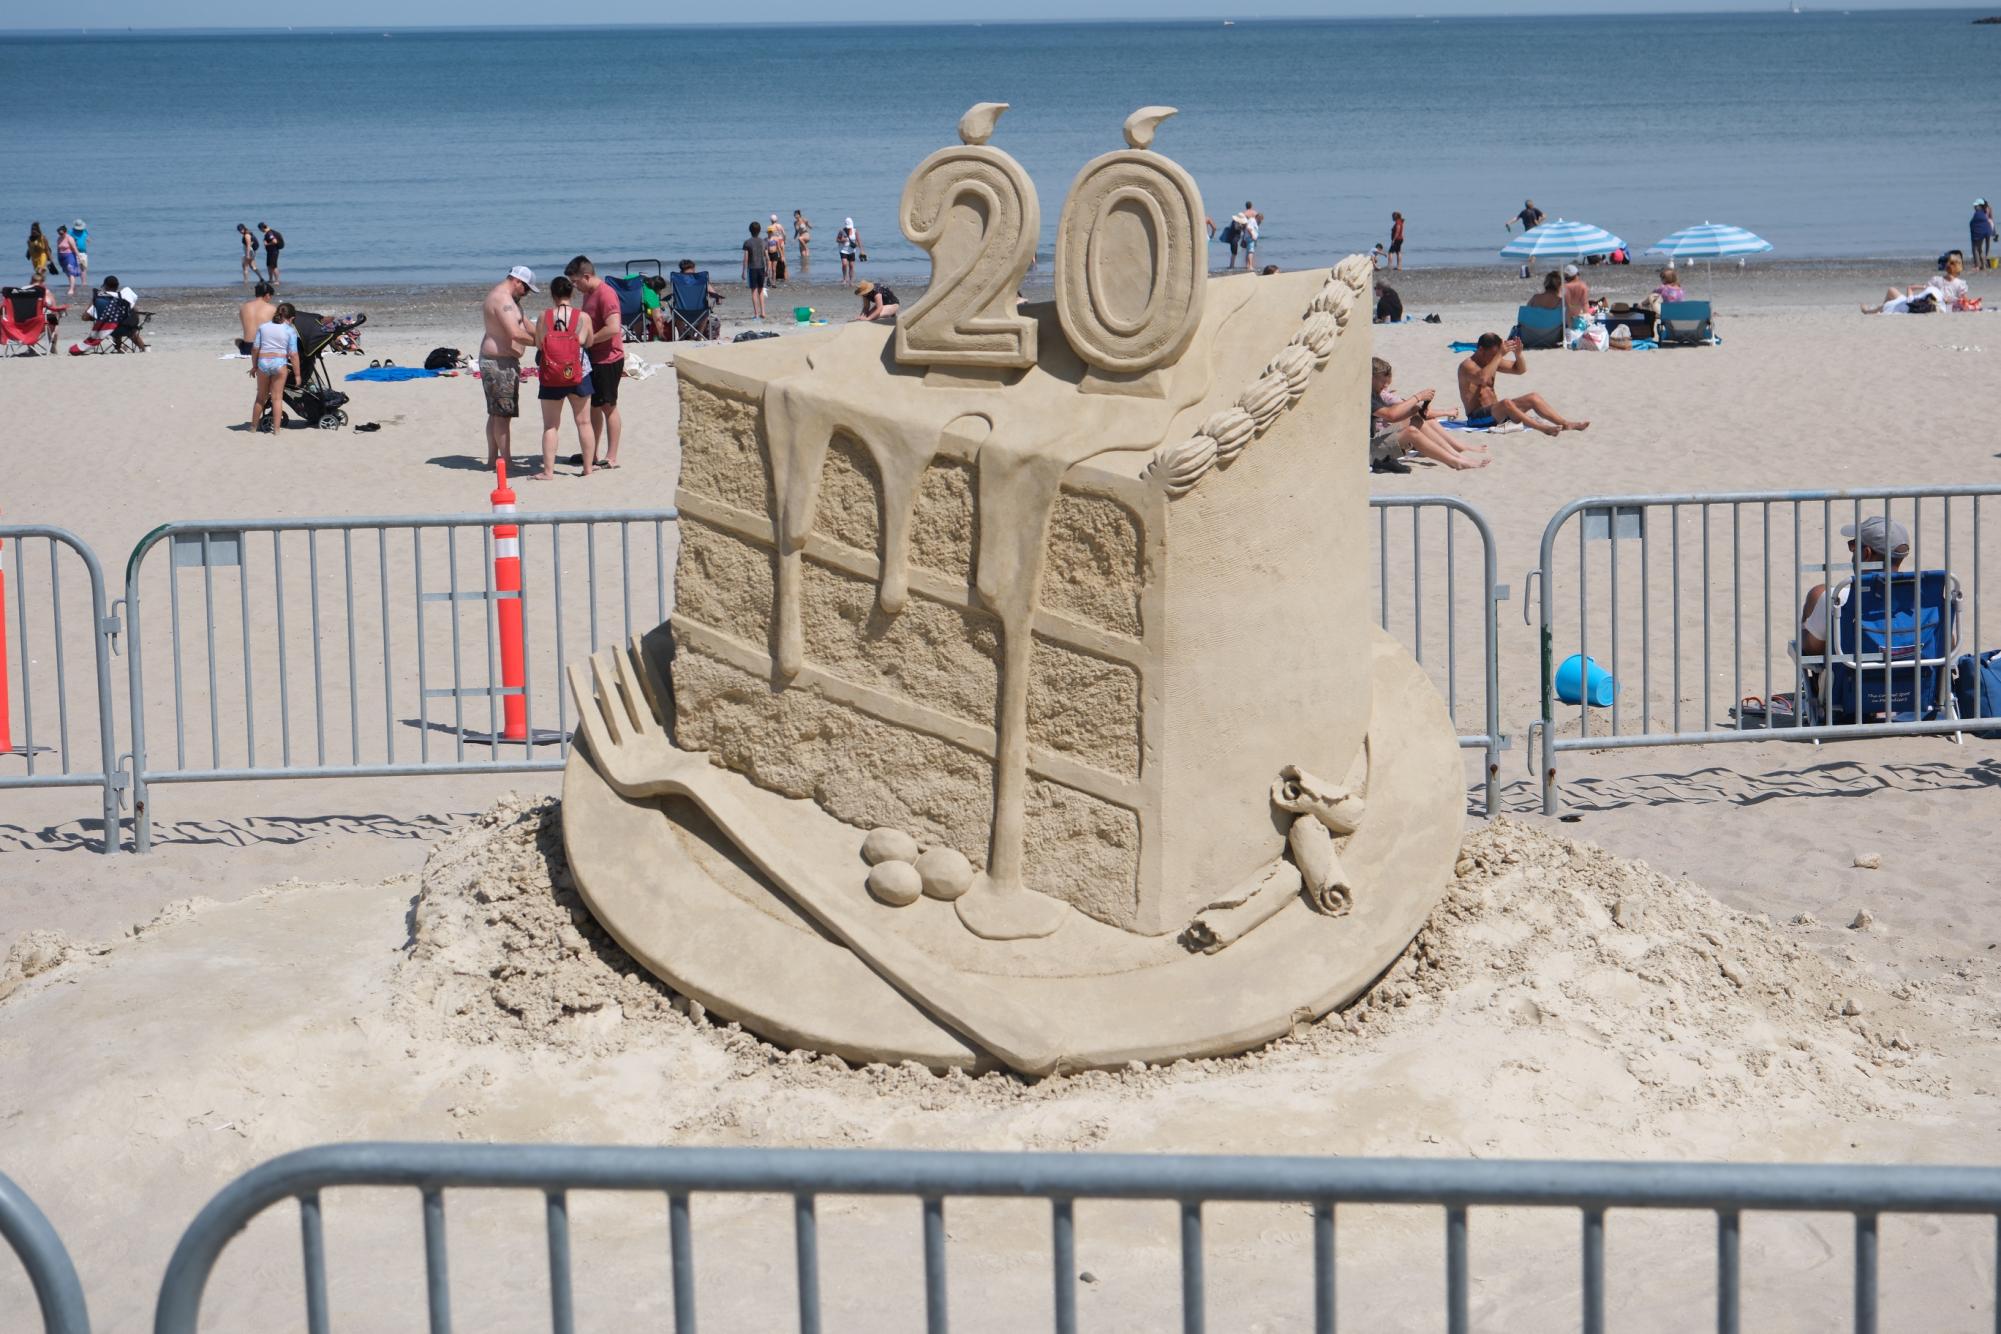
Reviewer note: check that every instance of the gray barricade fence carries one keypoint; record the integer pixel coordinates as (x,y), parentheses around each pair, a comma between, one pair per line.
(1435,591)
(27,1232)
(1726,1191)
(56,711)
(1692,605)
(373,646)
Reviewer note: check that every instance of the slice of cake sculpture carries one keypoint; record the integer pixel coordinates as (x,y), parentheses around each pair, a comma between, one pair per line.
(1021,704)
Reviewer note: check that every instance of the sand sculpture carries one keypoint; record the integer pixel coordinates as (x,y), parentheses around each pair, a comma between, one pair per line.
(1021,704)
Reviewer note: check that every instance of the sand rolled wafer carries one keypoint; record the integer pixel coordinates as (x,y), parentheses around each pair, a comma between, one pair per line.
(1356,272)
(1265,399)
(1295,366)
(1231,429)
(1313,852)
(1319,334)
(1179,467)
(1250,905)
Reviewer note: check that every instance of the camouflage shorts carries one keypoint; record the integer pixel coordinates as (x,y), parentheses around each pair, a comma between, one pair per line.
(501,377)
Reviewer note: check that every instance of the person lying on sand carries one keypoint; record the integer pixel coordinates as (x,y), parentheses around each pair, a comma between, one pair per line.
(1944,289)
(1484,405)
(1397,424)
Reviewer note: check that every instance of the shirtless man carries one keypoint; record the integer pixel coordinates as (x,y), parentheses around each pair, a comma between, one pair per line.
(254,312)
(1484,403)
(500,359)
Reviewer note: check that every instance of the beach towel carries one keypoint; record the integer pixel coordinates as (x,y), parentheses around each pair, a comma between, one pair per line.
(1480,426)
(392,373)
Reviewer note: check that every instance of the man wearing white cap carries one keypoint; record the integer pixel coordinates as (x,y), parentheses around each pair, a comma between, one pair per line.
(507,333)
(1576,295)
(1877,541)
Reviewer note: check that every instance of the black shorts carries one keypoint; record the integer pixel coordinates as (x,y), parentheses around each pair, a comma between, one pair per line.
(271,257)
(245,346)
(1396,246)
(756,280)
(604,384)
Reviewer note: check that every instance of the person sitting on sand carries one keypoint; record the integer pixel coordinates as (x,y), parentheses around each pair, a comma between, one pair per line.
(257,310)
(1882,540)
(1945,290)
(1551,295)
(1389,305)
(1398,424)
(878,302)
(1670,288)
(1493,356)
(1576,296)
(708,325)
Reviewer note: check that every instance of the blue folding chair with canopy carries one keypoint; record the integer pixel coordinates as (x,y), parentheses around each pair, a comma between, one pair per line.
(1539,326)
(1685,322)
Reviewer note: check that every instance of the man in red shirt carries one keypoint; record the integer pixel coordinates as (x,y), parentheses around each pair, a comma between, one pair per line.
(606,351)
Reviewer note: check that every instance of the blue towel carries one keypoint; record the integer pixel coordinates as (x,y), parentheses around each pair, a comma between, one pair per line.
(392,373)
(1465,347)
(1469,424)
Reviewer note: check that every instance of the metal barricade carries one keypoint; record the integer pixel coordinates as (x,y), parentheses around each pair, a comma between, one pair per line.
(365,647)
(1727,1190)
(1696,600)
(62,732)
(41,1252)
(1435,628)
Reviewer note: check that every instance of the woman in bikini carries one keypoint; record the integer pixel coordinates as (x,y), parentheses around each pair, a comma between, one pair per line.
(276,353)
(802,233)
(250,273)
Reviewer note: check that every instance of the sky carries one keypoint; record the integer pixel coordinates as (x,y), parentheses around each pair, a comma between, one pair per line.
(425,13)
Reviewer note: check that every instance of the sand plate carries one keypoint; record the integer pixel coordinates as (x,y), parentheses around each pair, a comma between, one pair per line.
(709,924)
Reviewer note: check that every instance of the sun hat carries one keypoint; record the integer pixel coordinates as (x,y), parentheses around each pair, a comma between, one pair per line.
(864,289)
(1978,203)
(78,225)
(521,273)
(1880,534)
(1570,270)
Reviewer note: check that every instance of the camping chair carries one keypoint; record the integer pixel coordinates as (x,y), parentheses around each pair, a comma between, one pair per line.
(1895,634)
(1685,322)
(1539,326)
(24,319)
(631,305)
(691,317)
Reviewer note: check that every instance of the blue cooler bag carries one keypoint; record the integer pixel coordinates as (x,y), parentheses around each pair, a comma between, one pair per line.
(1987,670)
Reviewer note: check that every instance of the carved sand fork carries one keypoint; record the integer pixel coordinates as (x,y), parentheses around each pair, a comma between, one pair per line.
(631,750)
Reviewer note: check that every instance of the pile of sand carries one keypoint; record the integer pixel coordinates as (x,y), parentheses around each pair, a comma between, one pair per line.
(1596,979)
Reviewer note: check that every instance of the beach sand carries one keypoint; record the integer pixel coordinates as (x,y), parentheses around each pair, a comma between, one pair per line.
(151,1088)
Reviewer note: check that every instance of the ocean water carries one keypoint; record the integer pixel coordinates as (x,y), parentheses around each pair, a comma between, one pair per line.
(426,156)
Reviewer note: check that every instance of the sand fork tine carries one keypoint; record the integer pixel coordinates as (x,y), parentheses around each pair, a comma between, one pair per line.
(588,717)
(608,699)
(637,706)
(648,690)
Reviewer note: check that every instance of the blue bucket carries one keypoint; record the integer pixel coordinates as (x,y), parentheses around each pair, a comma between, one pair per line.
(1574,675)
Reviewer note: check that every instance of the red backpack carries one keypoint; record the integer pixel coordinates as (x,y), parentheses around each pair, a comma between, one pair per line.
(562,358)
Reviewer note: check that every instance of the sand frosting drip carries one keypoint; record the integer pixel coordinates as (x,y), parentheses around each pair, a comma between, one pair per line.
(1563,979)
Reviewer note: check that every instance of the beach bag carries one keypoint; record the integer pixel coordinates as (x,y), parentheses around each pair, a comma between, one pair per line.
(1592,338)
(1229,234)
(1986,669)
(562,359)
(443,359)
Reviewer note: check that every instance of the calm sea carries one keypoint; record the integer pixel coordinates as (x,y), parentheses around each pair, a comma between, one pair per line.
(420,156)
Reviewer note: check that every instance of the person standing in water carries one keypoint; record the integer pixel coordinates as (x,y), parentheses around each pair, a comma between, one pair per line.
(848,242)
(39,256)
(66,258)
(1396,240)
(274,241)
(248,239)
(802,236)
(80,234)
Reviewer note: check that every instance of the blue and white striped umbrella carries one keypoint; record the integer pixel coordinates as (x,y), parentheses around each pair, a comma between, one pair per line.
(1712,240)
(1568,239)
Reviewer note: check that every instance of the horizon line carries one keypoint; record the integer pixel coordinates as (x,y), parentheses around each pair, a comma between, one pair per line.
(1824,9)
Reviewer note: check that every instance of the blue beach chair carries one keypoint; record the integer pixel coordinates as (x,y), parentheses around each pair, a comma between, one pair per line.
(631,305)
(1891,662)
(1684,322)
(1538,326)
(688,308)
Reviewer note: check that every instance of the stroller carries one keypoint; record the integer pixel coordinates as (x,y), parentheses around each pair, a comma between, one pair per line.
(314,396)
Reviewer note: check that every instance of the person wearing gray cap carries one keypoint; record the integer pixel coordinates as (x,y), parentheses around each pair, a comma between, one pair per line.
(507,333)
(1877,541)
